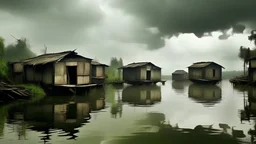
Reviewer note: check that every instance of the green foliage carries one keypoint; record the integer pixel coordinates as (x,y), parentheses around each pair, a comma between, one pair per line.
(3,69)
(37,92)
(112,72)
(1,48)
(244,54)
(18,51)
(252,37)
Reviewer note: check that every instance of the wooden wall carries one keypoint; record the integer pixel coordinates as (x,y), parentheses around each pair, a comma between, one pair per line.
(83,70)
(209,72)
(39,73)
(195,73)
(98,71)
(155,73)
(253,63)
(17,67)
(131,74)
(206,73)
(56,73)
(60,75)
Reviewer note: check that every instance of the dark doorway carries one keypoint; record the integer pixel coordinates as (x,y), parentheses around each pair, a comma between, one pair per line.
(213,72)
(71,111)
(148,75)
(72,74)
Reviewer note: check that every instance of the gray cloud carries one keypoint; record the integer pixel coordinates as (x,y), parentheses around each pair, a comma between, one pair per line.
(193,16)
(55,21)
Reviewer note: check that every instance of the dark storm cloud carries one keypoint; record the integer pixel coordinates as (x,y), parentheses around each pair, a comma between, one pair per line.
(191,16)
(55,21)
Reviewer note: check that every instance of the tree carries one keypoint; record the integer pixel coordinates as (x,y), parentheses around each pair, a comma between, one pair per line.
(252,37)
(120,65)
(1,48)
(244,54)
(18,51)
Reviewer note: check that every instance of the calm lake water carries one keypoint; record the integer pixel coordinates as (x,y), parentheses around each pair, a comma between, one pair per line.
(177,112)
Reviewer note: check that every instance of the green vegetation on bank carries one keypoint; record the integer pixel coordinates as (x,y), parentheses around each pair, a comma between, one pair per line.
(114,75)
(3,69)
(15,52)
(18,51)
(36,91)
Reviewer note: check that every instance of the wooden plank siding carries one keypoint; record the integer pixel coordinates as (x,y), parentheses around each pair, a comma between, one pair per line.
(206,73)
(18,67)
(140,73)
(99,71)
(83,73)
(60,73)
(132,74)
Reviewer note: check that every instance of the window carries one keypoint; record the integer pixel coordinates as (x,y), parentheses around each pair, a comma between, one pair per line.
(213,72)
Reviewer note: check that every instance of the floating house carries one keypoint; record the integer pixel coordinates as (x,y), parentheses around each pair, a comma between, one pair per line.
(98,72)
(65,69)
(252,69)
(206,94)
(141,73)
(205,72)
(179,75)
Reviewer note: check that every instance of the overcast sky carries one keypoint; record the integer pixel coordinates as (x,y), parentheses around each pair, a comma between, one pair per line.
(170,33)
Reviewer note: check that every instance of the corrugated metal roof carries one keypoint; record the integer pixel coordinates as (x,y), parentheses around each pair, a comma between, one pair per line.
(180,72)
(138,64)
(94,62)
(202,64)
(48,58)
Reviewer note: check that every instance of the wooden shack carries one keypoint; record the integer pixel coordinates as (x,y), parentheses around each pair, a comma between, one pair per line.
(67,69)
(207,94)
(141,95)
(98,72)
(141,73)
(252,69)
(179,75)
(205,72)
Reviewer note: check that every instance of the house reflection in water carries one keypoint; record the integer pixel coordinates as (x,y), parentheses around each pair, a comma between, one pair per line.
(97,98)
(249,105)
(57,113)
(142,95)
(179,86)
(206,94)
(249,110)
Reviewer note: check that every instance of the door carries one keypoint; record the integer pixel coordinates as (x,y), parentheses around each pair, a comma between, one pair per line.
(148,77)
(72,75)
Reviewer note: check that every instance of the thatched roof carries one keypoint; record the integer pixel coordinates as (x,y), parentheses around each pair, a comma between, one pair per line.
(138,64)
(94,62)
(203,64)
(49,57)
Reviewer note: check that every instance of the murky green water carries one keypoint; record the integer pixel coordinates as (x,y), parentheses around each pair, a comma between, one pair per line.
(178,112)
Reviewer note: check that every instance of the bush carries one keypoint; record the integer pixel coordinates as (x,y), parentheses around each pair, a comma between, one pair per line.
(3,69)
(113,75)
(37,92)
